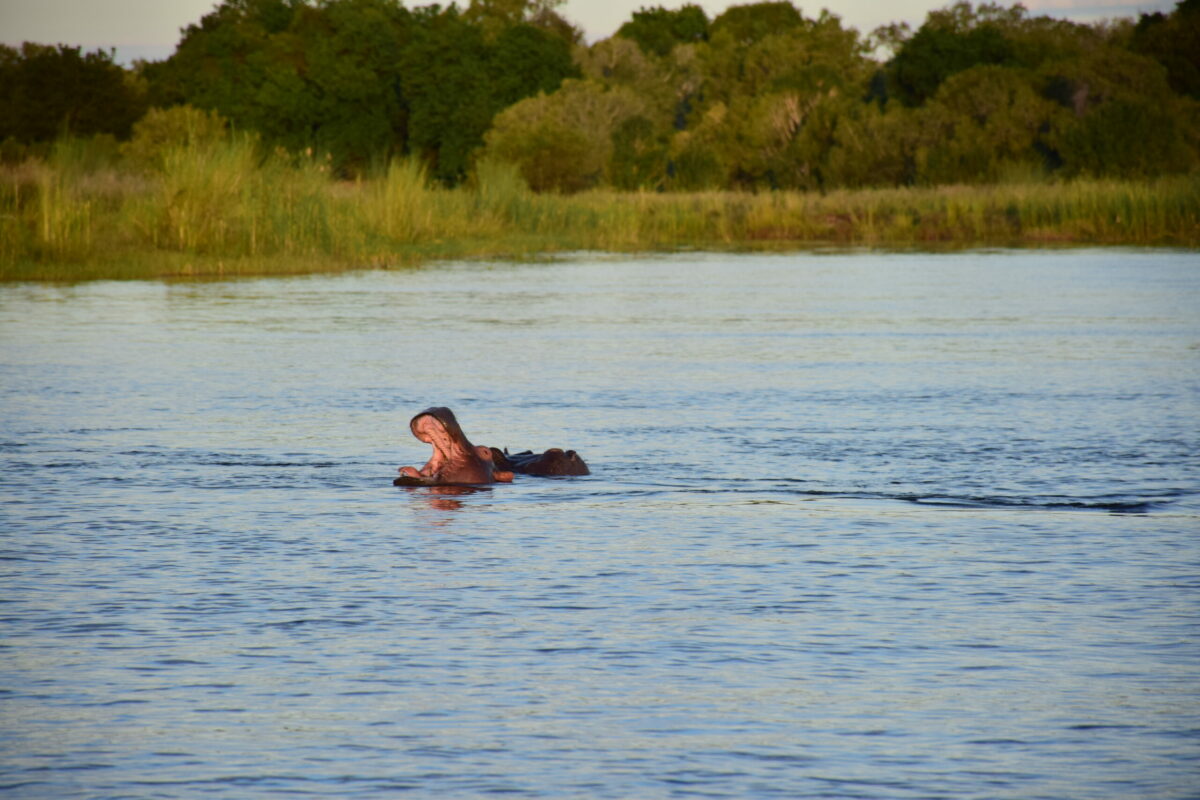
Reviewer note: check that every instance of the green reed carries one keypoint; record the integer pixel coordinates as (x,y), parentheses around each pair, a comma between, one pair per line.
(229,208)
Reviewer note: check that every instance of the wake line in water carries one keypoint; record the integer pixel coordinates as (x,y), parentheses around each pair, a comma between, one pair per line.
(1110,504)
(1116,506)
(1131,506)
(1114,503)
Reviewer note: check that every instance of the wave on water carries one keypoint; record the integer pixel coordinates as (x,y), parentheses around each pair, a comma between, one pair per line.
(1111,503)
(1116,505)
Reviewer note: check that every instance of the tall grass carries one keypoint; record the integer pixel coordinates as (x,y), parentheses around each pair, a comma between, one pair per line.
(226,208)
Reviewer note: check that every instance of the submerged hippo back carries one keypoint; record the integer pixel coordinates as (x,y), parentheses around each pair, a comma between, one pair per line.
(548,464)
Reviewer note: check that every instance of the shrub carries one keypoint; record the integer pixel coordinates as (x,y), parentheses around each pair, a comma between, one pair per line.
(164,129)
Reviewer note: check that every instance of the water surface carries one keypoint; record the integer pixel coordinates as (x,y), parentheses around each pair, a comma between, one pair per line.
(859,525)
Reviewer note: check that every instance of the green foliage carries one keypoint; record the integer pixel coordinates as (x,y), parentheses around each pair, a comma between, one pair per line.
(364,80)
(619,60)
(697,157)
(746,24)
(443,79)
(564,141)
(773,100)
(1128,137)
(658,30)
(1123,118)
(526,60)
(455,81)
(639,159)
(221,62)
(988,120)
(49,91)
(951,40)
(811,55)
(762,91)
(1105,73)
(1174,41)
(666,86)
(871,147)
(495,15)
(501,190)
(162,130)
(762,98)
(227,209)
(305,77)
(333,89)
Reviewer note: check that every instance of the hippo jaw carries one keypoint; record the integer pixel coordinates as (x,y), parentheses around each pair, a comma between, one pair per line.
(455,460)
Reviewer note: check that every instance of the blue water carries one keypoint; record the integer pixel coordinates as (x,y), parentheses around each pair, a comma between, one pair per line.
(860,525)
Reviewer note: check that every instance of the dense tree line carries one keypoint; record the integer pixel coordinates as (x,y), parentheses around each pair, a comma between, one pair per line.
(365,80)
(758,97)
(46,92)
(764,97)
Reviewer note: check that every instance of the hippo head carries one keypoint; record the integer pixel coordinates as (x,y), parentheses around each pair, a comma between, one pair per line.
(455,460)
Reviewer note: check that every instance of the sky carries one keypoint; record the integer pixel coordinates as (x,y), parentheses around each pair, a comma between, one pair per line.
(150,28)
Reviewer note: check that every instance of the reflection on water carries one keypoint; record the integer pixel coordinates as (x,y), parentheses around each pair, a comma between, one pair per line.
(859,525)
(444,498)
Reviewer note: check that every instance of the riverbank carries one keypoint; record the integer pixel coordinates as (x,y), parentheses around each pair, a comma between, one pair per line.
(228,211)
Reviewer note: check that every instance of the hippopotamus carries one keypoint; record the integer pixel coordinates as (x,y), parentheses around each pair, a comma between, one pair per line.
(457,462)
(553,462)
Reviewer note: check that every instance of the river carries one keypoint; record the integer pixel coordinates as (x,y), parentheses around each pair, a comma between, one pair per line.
(859,525)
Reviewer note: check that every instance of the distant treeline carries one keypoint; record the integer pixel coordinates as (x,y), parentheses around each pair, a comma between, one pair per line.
(760,97)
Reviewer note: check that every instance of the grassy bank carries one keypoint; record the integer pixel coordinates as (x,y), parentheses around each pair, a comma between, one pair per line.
(227,210)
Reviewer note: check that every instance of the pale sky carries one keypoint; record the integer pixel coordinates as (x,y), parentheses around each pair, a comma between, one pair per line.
(150,28)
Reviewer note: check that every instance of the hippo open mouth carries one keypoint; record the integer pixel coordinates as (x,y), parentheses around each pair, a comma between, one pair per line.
(455,461)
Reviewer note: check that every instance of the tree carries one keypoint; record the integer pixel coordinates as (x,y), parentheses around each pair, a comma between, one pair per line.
(766,70)
(1174,41)
(526,59)
(873,146)
(47,91)
(807,55)
(1128,137)
(987,120)
(221,61)
(564,141)
(456,82)
(696,154)
(333,83)
(160,130)
(658,30)
(364,80)
(951,40)
(1123,118)
(639,159)
(441,69)
(753,22)
(320,77)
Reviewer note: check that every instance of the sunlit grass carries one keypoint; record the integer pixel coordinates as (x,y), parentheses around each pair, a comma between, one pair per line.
(228,209)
